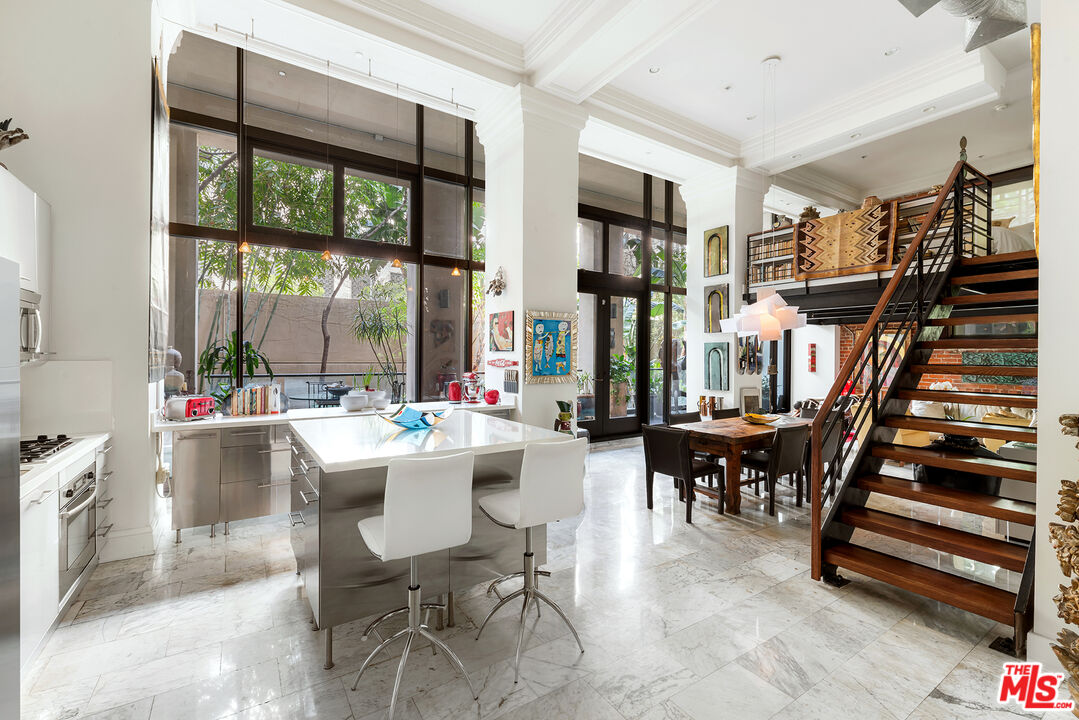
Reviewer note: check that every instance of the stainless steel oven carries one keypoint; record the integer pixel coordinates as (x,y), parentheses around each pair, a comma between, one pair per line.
(78,527)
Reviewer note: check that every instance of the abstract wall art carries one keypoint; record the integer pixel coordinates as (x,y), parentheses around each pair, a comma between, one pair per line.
(550,347)
(717,373)
(716,251)
(717,304)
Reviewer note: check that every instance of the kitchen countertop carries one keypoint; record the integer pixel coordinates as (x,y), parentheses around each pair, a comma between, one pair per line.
(83,444)
(226,421)
(365,441)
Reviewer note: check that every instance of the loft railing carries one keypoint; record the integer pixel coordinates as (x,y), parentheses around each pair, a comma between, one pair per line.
(958,224)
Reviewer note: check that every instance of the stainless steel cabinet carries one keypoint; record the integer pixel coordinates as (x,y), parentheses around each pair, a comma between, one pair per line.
(196,478)
(304,517)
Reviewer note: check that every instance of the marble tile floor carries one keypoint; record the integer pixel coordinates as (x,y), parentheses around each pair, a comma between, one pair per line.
(686,622)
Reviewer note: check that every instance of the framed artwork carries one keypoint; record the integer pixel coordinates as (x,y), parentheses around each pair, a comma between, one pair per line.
(550,347)
(750,355)
(749,400)
(717,369)
(501,331)
(716,251)
(717,303)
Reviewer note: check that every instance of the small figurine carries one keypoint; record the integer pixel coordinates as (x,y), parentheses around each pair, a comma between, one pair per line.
(497,284)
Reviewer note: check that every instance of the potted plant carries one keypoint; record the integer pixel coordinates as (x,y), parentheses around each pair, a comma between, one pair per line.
(222,360)
(586,396)
(622,370)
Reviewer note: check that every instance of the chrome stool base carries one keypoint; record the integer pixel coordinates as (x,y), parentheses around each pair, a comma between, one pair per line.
(411,633)
(531,595)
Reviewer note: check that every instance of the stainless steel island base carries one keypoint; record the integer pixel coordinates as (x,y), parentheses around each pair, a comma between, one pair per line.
(344,581)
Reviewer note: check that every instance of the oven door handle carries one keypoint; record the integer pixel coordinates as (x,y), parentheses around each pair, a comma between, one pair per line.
(65,514)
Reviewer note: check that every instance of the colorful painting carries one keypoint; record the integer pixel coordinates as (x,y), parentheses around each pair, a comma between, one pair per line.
(716,251)
(717,302)
(501,331)
(550,347)
(717,372)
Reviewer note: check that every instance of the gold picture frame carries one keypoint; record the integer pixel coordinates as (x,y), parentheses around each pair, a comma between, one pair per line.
(554,361)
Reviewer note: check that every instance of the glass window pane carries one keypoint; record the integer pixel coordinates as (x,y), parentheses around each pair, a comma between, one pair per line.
(589,245)
(678,260)
(479,323)
(623,357)
(479,170)
(320,322)
(445,334)
(202,77)
(678,205)
(678,355)
(443,219)
(655,358)
(291,193)
(202,312)
(609,186)
(1014,201)
(659,204)
(202,177)
(443,141)
(376,207)
(479,226)
(586,356)
(625,244)
(659,256)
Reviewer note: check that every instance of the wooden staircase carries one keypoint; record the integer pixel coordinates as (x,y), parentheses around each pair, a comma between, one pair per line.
(983,309)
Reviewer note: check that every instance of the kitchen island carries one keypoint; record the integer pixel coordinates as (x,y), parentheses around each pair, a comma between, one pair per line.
(338,468)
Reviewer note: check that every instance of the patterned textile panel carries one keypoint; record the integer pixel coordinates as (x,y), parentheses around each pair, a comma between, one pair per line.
(845,244)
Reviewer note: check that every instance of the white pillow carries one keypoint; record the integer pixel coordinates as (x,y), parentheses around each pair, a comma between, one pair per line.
(928,409)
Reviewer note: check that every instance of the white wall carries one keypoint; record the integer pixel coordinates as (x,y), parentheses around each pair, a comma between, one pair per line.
(1058,344)
(77,78)
(806,384)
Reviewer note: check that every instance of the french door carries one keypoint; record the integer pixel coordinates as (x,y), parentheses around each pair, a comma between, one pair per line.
(610,383)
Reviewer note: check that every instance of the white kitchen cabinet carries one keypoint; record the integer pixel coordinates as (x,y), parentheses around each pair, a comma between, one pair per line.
(19,227)
(39,566)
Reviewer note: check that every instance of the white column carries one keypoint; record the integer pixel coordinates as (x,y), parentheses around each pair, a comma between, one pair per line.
(530,144)
(1058,344)
(726,196)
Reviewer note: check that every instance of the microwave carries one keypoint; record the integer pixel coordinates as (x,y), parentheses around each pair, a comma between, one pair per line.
(30,330)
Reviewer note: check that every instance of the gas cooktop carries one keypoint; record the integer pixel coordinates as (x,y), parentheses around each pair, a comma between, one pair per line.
(40,448)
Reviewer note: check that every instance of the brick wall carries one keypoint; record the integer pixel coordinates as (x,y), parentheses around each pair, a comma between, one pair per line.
(846,344)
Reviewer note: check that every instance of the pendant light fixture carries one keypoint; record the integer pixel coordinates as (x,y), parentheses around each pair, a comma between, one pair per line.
(768,317)
(457,154)
(326,253)
(396,264)
(244,247)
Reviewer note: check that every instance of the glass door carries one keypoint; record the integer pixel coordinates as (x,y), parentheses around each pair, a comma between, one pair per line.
(609,378)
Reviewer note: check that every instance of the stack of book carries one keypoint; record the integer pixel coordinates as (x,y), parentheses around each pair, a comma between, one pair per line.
(257,400)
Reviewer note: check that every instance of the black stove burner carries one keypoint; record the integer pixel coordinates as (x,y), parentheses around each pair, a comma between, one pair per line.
(41,448)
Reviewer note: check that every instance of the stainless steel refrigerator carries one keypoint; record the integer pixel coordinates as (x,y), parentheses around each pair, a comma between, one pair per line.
(9,489)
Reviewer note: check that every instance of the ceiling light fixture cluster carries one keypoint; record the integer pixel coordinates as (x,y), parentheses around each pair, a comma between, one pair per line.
(769,317)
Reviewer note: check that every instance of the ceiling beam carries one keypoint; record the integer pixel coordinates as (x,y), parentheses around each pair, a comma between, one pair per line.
(588,43)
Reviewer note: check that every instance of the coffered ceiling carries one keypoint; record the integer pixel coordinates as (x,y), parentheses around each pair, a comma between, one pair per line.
(673,87)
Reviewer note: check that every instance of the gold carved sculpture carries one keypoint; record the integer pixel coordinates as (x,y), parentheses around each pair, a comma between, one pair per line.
(1065,540)
(1068,602)
(1066,649)
(1069,500)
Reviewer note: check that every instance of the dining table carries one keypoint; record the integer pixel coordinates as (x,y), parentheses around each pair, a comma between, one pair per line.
(728,438)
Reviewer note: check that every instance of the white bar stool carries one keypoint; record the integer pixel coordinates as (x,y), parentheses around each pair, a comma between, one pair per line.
(427,507)
(552,488)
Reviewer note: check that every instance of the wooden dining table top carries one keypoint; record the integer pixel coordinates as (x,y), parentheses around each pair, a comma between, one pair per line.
(737,431)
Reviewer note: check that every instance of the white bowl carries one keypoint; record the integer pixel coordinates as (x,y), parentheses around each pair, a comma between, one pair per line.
(352,403)
(381,403)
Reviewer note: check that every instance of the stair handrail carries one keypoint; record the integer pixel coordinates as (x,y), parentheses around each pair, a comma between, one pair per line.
(952,195)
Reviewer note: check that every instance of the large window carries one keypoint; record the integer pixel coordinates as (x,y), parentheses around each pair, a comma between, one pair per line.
(311,228)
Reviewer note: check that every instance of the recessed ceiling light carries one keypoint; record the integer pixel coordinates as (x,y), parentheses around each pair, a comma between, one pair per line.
(751,117)
(1000,107)
(891,51)
(727,87)
(930,108)
(855,136)
(281,73)
(864,157)
(358,53)
(795,156)
(654,69)
(771,60)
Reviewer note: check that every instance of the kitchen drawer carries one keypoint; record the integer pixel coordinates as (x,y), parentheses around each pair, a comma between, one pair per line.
(241,436)
(281,434)
(245,464)
(242,500)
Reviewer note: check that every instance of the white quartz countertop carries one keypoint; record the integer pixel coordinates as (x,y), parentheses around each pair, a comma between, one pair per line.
(55,463)
(366,441)
(226,421)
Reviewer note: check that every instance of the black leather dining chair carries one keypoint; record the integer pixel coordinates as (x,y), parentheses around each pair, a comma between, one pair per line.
(785,457)
(666,451)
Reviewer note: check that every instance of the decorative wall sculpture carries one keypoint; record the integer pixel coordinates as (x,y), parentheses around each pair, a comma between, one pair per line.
(716,251)
(845,244)
(717,374)
(717,304)
(750,360)
(550,347)
(1065,542)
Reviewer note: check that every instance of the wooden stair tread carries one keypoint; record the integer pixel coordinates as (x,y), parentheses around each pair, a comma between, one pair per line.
(970,398)
(952,369)
(1027,342)
(937,537)
(991,298)
(983,600)
(990,277)
(982,319)
(1021,256)
(962,427)
(975,503)
(956,460)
